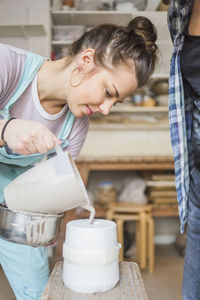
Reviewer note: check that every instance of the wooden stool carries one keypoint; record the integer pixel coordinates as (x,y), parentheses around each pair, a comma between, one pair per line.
(121,212)
(129,287)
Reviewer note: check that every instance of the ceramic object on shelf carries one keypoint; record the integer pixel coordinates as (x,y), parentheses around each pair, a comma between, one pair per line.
(137,99)
(131,5)
(152,5)
(162,100)
(67,32)
(125,7)
(148,101)
(164,5)
(160,87)
(86,4)
(140,4)
(106,193)
(90,256)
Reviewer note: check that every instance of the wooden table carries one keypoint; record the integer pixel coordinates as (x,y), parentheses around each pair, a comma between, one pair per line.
(130,286)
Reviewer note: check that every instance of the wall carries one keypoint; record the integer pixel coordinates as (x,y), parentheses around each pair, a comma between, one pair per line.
(26,24)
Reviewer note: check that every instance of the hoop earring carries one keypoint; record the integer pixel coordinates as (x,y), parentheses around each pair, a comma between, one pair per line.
(74,73)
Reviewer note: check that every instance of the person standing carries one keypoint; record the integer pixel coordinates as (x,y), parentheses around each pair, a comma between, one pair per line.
(184,118)
(45,102)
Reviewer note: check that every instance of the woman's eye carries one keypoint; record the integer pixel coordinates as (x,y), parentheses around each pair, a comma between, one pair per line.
(115,104)
(108,94)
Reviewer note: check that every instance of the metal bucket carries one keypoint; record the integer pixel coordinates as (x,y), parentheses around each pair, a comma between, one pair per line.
(27,228)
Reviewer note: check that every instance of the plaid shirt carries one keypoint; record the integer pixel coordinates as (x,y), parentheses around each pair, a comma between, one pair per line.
(180,106)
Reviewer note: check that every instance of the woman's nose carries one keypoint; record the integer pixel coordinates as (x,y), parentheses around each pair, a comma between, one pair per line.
(105,107)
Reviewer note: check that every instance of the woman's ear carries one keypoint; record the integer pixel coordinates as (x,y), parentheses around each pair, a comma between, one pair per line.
(86,60)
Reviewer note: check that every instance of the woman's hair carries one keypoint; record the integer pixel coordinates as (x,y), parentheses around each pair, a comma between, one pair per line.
(118,44)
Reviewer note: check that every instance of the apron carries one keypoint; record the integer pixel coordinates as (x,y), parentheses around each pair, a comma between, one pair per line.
(26,267)
(12,165)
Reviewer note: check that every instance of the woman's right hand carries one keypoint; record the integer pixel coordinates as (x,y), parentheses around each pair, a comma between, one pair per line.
(28,137)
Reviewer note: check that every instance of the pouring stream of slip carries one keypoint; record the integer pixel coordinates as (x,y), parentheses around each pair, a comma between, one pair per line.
(92,214)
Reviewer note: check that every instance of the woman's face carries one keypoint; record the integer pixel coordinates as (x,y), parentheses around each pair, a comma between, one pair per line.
(100,89)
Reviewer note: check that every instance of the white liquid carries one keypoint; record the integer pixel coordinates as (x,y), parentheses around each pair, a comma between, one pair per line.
(91,209)
(92,214)
(46,196)
(36,231)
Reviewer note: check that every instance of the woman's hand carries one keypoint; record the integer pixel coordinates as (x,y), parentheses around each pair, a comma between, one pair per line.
(28,137)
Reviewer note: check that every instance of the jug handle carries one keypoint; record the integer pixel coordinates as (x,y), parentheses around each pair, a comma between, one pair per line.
(58,149)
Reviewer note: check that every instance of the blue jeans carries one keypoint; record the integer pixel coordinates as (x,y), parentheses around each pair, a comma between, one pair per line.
(191,275)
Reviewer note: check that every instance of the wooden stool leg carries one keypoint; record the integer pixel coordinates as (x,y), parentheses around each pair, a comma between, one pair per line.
(143,241)
(109,214)
(120,235)
(151,252)
(137,232)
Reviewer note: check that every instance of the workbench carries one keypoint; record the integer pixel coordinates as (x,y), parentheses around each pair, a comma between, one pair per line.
(130,286)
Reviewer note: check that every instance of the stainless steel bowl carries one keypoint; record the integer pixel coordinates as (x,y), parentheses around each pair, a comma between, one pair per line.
(28,228)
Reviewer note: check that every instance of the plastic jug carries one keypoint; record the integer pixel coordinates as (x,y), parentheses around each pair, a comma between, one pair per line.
(52,186)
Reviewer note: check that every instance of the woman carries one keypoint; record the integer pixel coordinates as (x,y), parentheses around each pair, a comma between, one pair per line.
(184,107)
(46,102)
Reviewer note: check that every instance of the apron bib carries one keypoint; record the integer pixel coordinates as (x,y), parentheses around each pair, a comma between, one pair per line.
(11,164)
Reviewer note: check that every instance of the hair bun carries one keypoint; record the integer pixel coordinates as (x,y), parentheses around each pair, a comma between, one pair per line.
(144,29)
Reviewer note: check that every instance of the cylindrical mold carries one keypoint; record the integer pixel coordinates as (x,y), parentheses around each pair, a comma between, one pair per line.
(91,256)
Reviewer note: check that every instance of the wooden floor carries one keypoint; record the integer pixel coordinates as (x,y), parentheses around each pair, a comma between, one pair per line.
(167,278)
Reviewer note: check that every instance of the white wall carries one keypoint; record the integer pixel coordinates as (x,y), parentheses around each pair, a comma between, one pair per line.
(26,24)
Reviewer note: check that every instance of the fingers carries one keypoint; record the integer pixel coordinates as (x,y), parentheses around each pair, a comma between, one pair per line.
(47,141)
(31,148)
(29,137)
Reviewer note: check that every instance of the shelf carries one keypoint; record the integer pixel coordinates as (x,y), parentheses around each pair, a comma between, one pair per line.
(90,12)
(61,43)
(140,109)
(160,76)
(128,126)
(165,210)
(90,17)
(86,17)
(153,183)
(23,30)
